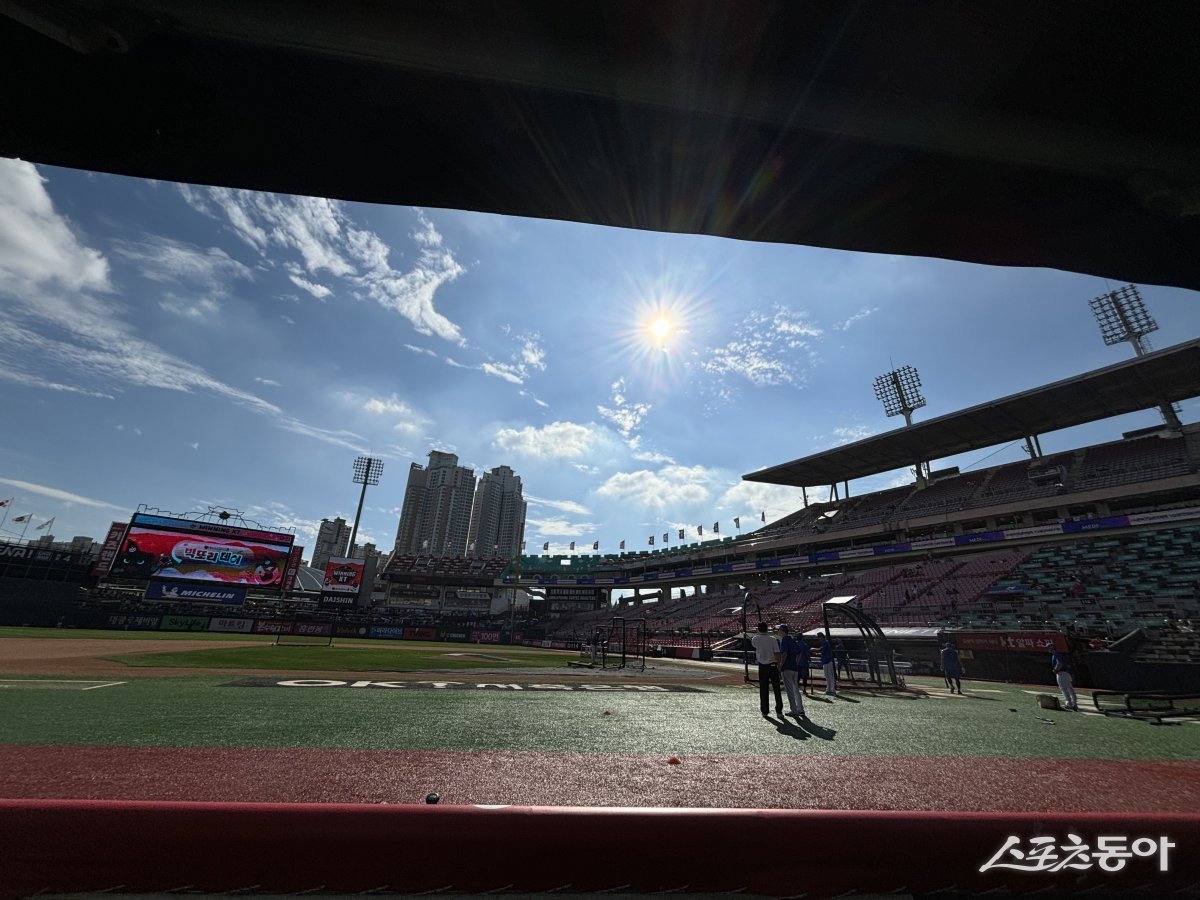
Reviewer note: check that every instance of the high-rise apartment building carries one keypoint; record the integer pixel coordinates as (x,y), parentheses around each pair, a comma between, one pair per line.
(436,515)
(332,538)
(497,516)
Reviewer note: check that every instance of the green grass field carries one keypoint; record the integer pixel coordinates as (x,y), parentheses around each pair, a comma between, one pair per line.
(199,711)
(364,656)
(101,634)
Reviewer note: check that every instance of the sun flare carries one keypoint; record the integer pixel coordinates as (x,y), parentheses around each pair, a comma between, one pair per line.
(660,328)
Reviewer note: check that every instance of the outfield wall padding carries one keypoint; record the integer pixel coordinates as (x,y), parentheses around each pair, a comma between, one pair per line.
(86,846)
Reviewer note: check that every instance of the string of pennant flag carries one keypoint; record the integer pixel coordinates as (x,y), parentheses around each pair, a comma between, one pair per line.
(682,532)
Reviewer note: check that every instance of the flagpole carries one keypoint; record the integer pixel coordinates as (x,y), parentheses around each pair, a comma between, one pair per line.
(26,528)
(7,508)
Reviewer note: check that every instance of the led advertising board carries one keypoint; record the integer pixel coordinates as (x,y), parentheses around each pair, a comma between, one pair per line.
(293,568)
(184,550)
(343,575)
(108,551)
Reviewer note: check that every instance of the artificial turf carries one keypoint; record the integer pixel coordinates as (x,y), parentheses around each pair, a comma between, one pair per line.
(373,658)
(200,711)
(101,634)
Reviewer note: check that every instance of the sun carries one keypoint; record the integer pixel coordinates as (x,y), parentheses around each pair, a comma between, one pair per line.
(661,328)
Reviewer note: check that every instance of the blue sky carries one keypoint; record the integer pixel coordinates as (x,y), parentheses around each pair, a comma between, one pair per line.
(187,347)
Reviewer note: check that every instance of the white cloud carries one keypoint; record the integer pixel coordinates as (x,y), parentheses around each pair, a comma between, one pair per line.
(557,527)
(324,236)
(528,355)
(197,308)
(280,517)
(670,486)
(317,290)
(652,456)
(38,247)
(566,506)
(857,317)
(408,419)
(165,260)
(624,415)
(288,319)
(195,445)
(765,350)
(558,440)
(269,382)
(532,353)
(848,434)
(749,499)
(32,380)
(59,494)
(509,373)
(76,331)
(416,349)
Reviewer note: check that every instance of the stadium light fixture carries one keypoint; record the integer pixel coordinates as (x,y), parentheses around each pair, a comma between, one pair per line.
(367,470)
(900,392)
(1122,316)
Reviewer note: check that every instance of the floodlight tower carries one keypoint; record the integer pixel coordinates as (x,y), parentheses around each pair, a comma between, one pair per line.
(367,470)
(1122,318)
(900,393)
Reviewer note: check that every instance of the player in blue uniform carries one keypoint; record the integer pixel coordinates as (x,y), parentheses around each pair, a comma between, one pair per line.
(952,668)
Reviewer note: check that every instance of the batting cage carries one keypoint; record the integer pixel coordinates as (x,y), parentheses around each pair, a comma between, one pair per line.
(626,645)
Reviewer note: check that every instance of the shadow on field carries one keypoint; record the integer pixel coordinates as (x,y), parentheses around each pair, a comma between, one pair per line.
(784,726)
(825,734)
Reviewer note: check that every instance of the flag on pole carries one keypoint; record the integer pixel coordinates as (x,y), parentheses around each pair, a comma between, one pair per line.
(4,503)
(651,540)
(595,545)
(737,521)
(46,524)
(764,515)
(681,533)
(24,518)
(546,546)
(716,527)
(572,546)
(700,530)
(622,545)
(666,536)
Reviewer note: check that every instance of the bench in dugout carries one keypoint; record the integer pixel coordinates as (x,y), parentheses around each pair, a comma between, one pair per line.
(1147,706)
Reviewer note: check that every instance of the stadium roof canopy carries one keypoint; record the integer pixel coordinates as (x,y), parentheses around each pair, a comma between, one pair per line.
(1014,133)
(1164,376)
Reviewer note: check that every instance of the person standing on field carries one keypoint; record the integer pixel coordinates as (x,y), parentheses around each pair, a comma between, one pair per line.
(1061,664)
(789,651)
(827,664)
(766,652)
(951,667)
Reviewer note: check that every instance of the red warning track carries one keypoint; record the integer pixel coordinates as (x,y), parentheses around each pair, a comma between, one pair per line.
(300,775)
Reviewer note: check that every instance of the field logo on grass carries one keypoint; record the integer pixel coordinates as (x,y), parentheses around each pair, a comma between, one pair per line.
(1047,855)
(505,686)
